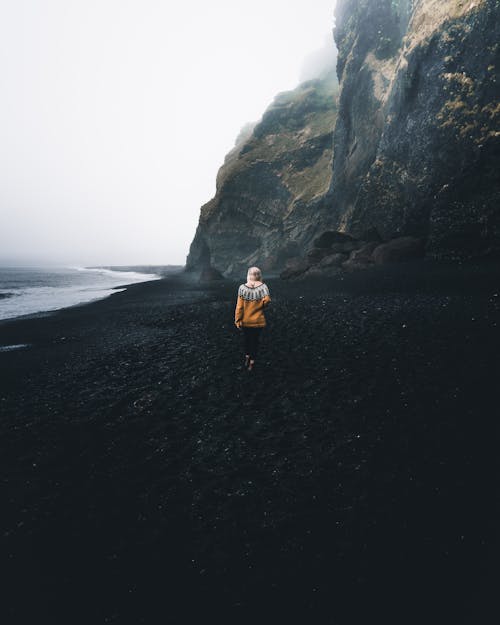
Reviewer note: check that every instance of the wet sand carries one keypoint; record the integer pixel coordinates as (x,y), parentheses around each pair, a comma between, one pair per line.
(350,478)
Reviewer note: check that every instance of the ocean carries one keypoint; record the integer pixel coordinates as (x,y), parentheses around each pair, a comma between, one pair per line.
(30,290)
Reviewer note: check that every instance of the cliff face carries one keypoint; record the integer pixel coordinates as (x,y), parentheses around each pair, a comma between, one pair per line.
(271,185)
(416,150)
(418,132)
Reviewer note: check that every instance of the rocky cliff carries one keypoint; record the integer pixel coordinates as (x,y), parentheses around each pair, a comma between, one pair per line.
(416,150)
(417,140)
(271,185)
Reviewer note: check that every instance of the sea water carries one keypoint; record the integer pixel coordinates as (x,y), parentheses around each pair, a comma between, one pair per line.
(30,290)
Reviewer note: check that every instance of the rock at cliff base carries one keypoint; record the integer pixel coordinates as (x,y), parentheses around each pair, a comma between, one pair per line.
(365,252)
(294,267)
(317,253)
(320,272)
(371,235)
(332,260)
(398,250)
(355,265)
(328,238)
(210,274)
(344,248)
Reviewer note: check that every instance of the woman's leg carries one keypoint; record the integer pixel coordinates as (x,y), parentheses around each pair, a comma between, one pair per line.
(256,342)
(246,343)
(254,346)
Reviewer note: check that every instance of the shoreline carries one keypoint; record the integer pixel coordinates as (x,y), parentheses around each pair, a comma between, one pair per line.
(75,314)
(138,454)
(181,281)
(107,291)
(46,313)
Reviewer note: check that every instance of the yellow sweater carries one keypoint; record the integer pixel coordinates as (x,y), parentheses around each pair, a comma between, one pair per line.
(250,306)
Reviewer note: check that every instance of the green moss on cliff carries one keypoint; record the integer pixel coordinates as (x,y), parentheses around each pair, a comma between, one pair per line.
(463,113)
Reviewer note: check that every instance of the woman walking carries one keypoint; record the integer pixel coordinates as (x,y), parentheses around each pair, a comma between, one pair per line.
(253,297)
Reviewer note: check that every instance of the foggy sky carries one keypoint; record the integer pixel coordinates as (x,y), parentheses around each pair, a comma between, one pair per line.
(115,116)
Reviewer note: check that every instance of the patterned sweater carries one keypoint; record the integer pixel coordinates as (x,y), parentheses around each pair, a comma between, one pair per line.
(250,306)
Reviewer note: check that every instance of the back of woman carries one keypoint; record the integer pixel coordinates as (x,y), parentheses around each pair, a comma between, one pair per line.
(253,298)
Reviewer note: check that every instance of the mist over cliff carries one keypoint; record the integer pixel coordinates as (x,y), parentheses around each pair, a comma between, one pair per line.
(407,151)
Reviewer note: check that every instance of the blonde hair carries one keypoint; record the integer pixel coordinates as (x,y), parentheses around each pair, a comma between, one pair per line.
(254,271)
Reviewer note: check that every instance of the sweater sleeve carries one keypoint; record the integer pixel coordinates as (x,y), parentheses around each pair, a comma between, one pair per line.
(267,298)
(238,313)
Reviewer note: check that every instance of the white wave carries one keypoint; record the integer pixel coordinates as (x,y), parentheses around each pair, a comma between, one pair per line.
(63,288)
(131,276)
(48,299)
(11,348)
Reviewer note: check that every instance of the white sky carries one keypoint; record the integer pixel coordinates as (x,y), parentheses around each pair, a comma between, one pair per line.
(115,116)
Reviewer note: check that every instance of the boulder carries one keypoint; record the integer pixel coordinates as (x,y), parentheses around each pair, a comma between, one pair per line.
(320,272)
(370,235)
(354,265)
(289,249)
(344,248)
(317,253)
(209,274)
(364,253)
(328,238)
(398,250)
(294,267)
(332,260)
(269,262)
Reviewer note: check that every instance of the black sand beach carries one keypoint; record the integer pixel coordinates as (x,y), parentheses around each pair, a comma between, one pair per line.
(148,478)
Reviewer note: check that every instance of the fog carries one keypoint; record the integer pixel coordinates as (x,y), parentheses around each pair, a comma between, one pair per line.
(115,116)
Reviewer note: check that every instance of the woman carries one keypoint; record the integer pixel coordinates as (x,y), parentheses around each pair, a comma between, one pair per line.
(253,297)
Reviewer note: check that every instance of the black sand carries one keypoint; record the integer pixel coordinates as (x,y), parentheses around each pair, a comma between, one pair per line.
(147,478)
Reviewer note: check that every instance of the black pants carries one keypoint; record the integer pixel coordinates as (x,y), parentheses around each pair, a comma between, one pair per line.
(251,341)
